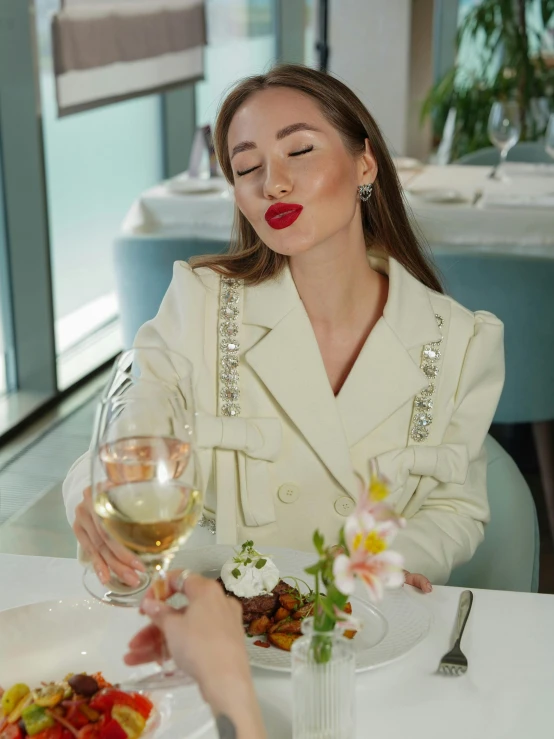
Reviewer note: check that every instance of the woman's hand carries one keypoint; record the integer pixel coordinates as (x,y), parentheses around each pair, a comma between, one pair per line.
(104,552)
(206,640)
(418,581)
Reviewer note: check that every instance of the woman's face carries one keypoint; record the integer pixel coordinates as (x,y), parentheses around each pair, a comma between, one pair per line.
(294,179)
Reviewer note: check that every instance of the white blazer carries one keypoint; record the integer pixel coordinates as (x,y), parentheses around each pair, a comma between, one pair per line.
(286,465)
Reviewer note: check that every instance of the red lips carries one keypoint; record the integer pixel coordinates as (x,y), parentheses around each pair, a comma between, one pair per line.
(282,215)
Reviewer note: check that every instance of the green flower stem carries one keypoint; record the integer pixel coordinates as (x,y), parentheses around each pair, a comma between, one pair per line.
(323,621)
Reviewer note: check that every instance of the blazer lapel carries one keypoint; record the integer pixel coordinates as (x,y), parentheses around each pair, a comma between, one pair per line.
(386,373)
(288,361)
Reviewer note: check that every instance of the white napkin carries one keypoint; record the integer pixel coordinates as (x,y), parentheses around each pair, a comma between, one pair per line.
(516,200)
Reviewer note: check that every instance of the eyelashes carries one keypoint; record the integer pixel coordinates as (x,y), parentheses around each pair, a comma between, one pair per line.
(292,154)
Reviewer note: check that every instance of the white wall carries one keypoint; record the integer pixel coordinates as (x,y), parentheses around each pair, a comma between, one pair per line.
(374,50)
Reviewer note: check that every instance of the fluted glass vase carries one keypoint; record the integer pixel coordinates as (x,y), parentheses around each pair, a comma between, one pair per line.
(323,682)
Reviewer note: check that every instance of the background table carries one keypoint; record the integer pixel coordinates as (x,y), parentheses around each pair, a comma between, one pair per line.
(506,694)
(161,211)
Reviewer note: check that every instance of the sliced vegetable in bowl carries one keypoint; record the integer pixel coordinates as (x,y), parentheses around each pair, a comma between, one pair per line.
(78,707)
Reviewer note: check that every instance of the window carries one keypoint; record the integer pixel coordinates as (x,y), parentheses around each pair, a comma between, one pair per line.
(241,42)
(96,163)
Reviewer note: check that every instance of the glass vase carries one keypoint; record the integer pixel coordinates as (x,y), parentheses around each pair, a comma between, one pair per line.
(323,683)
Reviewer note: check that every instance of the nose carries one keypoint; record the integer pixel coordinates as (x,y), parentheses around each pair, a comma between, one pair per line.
(277,182)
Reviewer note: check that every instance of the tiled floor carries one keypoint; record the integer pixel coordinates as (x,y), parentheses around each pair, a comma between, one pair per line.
(42,527)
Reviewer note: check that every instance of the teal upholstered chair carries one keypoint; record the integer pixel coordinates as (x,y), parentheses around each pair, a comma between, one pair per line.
(529,151)
(143,270)
(508,558)
(518,289)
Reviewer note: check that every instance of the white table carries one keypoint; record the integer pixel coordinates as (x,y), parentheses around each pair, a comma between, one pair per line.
(527,230)
(506,694)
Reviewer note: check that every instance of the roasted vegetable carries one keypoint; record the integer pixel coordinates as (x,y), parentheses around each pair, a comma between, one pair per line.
(281,614)
(349,633)
(83,685)
(259,626)
(15,715)
(36,719)
(304,612)
(287,626)
(13,696)
(260,643)
(283,641)
(49,696)
(130,721)
(290,601)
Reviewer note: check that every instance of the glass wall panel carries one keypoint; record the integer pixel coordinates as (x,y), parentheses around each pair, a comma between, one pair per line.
(97,162)
(241,42)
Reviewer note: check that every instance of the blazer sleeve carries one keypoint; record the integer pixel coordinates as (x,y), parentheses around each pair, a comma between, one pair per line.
(448,524)
(178,326)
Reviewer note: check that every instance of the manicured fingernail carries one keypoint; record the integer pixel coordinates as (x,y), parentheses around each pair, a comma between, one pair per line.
(137,564)
(428,587)
(151,607)
(102,577)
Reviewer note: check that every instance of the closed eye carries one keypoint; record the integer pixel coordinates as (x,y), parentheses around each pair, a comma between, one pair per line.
(246,171)
(292,154)
(302,151)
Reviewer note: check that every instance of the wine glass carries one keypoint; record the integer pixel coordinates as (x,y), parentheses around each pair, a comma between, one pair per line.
(549,136)
(504,130)
(145,475)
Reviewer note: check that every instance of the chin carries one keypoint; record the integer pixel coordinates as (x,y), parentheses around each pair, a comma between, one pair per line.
(290,246)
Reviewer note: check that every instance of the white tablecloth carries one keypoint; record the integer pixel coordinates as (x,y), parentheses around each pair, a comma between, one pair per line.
(499,228)
(506,694)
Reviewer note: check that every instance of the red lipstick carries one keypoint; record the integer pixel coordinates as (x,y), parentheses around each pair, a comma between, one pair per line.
(282,215)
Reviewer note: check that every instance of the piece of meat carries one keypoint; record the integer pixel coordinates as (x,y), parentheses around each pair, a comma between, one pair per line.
(260,605)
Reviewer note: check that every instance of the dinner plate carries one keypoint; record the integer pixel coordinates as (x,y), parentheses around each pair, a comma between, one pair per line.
(45,641)
(439,195)
(390,630)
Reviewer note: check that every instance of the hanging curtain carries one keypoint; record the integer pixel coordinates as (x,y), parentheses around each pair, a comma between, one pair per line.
(110,50)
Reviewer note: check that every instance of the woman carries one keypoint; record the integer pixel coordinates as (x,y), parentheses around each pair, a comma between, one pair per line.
(322,340)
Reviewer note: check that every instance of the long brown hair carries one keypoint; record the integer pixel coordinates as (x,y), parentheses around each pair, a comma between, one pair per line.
(385,219)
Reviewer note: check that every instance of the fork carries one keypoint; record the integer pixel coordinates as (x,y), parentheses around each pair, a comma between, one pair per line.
(454,662)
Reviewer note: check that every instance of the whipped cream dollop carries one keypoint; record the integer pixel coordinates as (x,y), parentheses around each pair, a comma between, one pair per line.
(249,573)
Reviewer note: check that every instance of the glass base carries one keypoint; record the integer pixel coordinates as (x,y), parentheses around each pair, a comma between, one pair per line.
(115,592)
(159,680)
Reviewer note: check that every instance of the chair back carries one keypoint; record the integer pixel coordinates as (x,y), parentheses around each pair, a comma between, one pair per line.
(519,290)
(508,558)
(143,271)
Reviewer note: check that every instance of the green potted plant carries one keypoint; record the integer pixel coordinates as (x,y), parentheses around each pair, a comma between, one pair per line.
(510,41)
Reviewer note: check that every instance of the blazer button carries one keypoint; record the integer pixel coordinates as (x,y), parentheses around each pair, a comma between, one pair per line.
(344,506)
(288,493)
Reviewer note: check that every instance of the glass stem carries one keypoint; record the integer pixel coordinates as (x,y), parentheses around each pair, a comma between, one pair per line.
(503,155)
(160,586)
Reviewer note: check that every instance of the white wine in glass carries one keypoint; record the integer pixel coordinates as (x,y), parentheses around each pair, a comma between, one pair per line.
(504,129)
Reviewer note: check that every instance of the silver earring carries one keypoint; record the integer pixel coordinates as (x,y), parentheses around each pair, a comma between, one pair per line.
(365,192)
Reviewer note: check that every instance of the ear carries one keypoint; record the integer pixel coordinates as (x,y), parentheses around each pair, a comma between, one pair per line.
(367,166)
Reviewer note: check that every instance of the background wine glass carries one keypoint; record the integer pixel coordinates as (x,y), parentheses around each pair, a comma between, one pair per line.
(504,129)
(549,136)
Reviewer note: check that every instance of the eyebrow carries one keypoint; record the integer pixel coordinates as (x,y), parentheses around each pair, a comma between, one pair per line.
(282,134)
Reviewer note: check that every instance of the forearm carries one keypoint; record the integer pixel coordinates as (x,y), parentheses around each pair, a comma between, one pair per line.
(435,541)
(235,707)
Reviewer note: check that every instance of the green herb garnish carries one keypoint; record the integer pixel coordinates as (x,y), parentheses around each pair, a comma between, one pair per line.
(236,573)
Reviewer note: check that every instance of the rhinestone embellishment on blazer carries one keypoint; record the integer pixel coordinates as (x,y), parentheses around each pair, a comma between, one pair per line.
(229,389)
(422,416)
